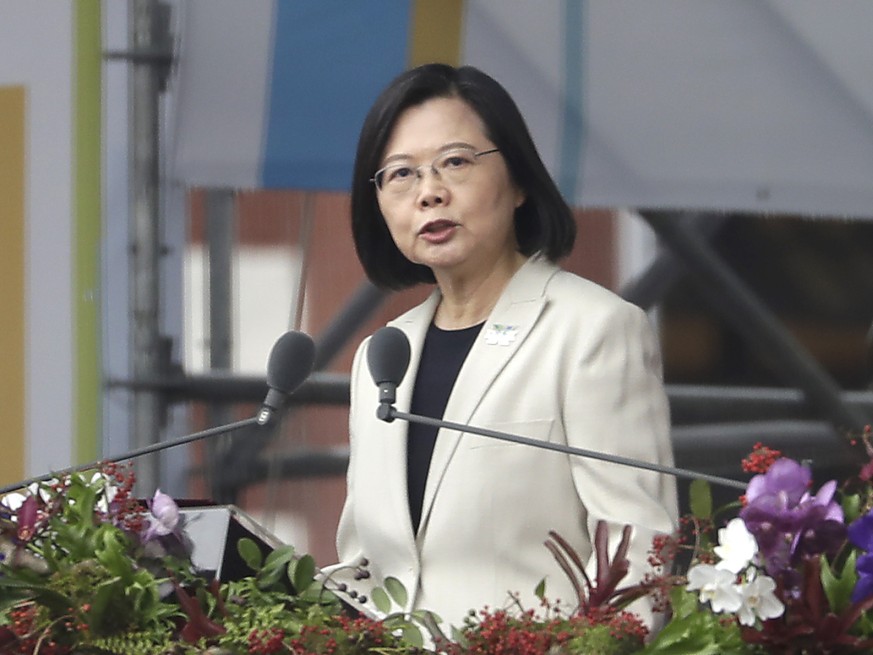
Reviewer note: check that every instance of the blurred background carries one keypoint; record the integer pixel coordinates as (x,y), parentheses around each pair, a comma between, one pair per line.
(173,197)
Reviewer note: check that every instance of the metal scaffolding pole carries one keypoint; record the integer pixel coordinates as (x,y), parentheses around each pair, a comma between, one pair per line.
(220,222)
(147,411)
(740,308)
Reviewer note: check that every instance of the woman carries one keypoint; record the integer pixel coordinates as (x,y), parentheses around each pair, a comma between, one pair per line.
(448,188)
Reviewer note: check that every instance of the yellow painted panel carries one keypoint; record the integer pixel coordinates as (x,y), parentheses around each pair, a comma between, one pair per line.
(436,32)
(12,282)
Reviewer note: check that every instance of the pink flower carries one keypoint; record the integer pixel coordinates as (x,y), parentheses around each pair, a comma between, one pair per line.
(165,516)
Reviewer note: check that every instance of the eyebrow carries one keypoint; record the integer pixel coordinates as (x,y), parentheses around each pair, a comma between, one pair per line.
(454,145)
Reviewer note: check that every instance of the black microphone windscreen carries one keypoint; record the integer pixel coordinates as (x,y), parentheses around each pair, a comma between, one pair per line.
(388,355)
(291,361)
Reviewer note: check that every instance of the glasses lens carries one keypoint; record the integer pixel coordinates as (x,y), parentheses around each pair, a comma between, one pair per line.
(452,166)
(396,178)
(455,165)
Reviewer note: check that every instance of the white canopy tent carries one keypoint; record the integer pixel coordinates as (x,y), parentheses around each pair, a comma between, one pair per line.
(762,106)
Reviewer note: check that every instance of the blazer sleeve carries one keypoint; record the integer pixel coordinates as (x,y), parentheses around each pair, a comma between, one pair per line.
(348,547)
(615,403)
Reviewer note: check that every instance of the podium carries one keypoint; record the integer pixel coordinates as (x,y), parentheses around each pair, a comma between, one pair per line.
(214,532)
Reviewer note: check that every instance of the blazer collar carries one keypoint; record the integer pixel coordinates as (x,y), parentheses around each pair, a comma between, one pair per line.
(505,330)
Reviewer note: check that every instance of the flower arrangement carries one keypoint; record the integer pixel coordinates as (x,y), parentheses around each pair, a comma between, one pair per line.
(598,625)
(787,569)
(85,568)
(790,572)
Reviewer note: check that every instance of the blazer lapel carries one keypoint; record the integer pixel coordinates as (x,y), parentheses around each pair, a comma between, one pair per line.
(504,332)
(414,324)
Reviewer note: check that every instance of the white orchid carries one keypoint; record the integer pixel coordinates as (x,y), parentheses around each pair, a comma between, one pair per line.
(759,600)
(716,586)
(737,546)
(751,596)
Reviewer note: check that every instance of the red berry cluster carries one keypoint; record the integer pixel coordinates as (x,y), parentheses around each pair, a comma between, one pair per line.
(125,511)
(312,640)
(502,633)
(267,641)
(622,625)
(499,633)
(343,634)
(760,459)
(664,549)
(25,640)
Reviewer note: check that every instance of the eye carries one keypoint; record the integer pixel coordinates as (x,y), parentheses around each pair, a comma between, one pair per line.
(397,174)
(454,160)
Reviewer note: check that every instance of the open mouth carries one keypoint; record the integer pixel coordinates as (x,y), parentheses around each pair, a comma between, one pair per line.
(437,227)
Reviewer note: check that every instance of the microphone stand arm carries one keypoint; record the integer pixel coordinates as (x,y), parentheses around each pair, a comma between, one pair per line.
(388,413)
(146,450)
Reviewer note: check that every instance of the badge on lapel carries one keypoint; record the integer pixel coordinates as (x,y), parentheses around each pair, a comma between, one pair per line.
(497,334)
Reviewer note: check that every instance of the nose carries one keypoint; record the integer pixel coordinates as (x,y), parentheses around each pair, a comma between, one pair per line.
(431,190)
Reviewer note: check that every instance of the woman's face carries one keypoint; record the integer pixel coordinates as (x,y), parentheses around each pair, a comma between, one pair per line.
(457,228)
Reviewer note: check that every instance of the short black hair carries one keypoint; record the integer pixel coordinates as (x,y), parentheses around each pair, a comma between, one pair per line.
(544,223)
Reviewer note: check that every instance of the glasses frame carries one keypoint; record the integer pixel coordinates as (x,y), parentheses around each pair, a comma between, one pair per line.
(433,168)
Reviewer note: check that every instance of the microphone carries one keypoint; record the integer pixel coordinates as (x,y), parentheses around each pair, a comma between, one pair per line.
(387,359)
(388,368)
(291,360)
(290,363)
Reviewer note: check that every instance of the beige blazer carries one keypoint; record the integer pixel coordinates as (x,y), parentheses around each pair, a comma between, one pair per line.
(559,359)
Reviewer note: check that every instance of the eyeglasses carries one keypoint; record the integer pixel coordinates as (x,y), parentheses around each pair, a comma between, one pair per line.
(451,166)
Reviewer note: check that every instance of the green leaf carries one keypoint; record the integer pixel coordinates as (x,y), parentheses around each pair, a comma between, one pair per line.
(460,638)
(426,616)
(275,566)
(413,635)
(396,590)
(104,593)
(683,602)
(695,632)
(250,553)
(8,600)
(381,600)
(269,577)
(687,635)
(14,583)
(701,499)
(851,507)
(838,585)
(279,557)
(540,591)
(303,574)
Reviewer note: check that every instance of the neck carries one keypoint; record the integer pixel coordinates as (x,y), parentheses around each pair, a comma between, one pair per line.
(468,301)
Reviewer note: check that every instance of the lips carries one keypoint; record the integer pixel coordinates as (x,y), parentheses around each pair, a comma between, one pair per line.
(437,226)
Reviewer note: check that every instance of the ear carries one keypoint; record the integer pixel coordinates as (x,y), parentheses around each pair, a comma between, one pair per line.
(520,197)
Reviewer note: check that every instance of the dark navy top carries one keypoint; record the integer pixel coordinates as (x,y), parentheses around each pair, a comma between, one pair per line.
(442,356)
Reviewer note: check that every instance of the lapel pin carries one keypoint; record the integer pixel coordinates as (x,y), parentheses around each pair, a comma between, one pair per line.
(500,335)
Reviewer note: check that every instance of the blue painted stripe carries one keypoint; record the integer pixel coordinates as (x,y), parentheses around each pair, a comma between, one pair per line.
(331,59)
(573,114)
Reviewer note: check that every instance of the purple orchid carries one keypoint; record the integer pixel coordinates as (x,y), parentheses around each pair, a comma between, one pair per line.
(861,535)
(864,586)
(861,532)
(786,520)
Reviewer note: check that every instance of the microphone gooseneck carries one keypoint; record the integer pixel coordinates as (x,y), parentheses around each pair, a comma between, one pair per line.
(388,359)
(290,363)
